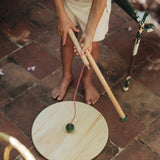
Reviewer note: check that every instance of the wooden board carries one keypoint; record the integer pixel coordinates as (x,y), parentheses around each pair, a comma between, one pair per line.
(86,141)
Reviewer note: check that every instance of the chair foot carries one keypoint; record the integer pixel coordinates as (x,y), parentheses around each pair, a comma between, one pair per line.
(126,85)
(125,89)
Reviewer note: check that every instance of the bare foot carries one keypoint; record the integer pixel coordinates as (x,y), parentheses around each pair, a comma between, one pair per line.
(60,91)
(91,93)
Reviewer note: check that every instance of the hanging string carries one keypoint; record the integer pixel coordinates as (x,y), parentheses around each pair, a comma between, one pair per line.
(75,93)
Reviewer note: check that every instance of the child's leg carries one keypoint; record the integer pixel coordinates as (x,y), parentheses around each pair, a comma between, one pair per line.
(67,58)
(91,93)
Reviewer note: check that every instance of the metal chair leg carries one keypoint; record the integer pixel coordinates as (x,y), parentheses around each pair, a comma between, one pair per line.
(135,51)
(14,143)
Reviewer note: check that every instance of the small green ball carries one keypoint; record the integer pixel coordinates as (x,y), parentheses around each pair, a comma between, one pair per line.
(69,127)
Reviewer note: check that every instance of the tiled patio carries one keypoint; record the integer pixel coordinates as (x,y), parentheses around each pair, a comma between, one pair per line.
(28,38)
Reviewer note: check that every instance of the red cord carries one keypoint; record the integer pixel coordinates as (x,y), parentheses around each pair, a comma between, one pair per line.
(75,93)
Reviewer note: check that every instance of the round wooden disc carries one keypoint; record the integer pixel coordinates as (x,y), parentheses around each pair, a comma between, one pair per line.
(51,139)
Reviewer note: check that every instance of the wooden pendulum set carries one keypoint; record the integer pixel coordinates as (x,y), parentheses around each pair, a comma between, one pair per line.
(83,139)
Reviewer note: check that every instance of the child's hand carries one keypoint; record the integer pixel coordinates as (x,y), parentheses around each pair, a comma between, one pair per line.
(87,43)
(63,26)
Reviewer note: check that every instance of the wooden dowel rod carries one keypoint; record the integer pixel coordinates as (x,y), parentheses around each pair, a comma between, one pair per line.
(76,43)
(98,73)
(105,85)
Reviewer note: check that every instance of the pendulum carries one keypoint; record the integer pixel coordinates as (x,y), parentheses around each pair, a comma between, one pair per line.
(69,127)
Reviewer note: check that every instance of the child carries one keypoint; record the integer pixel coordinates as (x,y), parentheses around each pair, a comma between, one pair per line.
(93,17)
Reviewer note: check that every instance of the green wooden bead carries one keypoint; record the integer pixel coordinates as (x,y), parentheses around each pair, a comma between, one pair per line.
(69,127)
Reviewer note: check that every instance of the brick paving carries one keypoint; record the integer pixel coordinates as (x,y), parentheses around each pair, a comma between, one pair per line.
(28,38)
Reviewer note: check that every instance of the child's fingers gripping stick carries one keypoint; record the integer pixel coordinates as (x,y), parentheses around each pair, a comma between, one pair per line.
(76,43)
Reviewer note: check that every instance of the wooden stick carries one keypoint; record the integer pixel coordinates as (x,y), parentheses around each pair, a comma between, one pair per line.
(105,85)
(100,76)
(76,43)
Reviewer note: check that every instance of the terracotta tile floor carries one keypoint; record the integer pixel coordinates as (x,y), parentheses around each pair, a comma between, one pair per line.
(28,38)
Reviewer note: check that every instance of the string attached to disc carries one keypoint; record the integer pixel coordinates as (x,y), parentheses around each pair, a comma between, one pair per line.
(70,126)
(75,93)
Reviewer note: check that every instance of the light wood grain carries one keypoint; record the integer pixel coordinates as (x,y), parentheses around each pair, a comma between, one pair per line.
(86,141)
